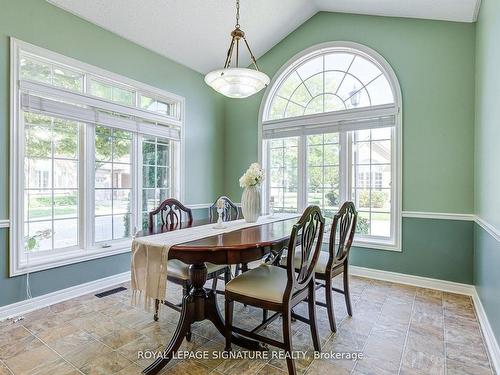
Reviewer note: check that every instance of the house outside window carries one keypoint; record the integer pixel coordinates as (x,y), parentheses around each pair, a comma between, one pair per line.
(331,132)
(89,146)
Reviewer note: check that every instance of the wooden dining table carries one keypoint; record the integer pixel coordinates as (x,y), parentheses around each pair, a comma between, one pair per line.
(235,247)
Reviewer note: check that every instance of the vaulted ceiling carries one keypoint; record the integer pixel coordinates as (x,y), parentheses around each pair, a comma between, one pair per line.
(196,32)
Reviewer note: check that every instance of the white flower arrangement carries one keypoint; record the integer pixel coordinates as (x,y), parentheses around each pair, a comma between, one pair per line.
(253,176)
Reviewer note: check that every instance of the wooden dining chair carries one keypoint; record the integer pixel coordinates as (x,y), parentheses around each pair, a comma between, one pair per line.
(173,215)
(229,212)
(336,260)
(279,289)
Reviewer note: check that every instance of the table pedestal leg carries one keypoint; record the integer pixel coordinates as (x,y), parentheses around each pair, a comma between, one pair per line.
(198,305)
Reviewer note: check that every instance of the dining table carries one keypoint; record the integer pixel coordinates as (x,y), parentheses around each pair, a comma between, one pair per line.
(240,246)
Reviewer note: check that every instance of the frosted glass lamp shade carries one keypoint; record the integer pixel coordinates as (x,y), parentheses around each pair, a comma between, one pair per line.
(237,82)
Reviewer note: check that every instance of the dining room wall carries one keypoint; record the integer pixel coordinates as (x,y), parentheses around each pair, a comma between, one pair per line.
(434,62)
(44,25)
(487,160)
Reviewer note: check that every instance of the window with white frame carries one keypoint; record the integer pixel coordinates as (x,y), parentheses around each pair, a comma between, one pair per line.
(331,130)
(92,153)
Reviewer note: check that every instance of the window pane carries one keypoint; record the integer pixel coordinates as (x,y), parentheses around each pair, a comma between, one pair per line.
(103,173)
(364,70)
(121,176)
(148,153)
(103,143)
(156,178)
(65,204)
(284,174)
(363,224)
(101,89)
(380,224)
(149,201)
(38,140)
(121,226)
(39,236)
(121,201)
(332,82)
(323,174)
(65,174)
(123,96)
(49,73)
(113,182)
(162,154)
(380,91)
(381,152)
(65,135)
(38,173)
(38,204)
(103,203)
(310,68)
(122,150)
(372,180)
(67,79)
(51,182)
(381,200)
(65,233)
(35,70)
(103,228)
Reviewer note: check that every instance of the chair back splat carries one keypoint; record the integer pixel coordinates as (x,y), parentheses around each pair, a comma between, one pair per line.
(307,235)
(172,213)
(229,212)
(343,229)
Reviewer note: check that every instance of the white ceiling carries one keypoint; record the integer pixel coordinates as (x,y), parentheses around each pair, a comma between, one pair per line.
(196,32)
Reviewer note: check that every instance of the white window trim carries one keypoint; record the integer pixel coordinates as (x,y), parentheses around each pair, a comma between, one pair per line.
(397,157)
(55,258)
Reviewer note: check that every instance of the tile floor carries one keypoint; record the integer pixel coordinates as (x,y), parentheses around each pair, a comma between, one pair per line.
(399,329)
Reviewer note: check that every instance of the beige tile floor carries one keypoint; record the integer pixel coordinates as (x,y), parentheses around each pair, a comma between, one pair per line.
(399,329)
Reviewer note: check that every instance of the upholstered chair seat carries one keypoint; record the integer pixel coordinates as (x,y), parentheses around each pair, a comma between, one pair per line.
(265,283)
(320,266)
(180,270)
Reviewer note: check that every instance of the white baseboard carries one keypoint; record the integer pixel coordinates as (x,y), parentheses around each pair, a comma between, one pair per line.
(23,307)
(489,335)
(445,286)
(422,282)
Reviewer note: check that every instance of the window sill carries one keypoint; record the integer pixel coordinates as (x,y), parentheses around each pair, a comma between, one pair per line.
(371,244)
(44,262)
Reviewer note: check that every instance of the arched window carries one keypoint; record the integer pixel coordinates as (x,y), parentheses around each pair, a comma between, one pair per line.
(330,125)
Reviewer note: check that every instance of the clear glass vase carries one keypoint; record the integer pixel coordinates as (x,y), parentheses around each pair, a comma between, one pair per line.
(251,204)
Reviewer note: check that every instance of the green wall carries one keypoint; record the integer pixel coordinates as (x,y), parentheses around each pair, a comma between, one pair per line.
(44,25)
(487,159)
(435,248)
(434,62)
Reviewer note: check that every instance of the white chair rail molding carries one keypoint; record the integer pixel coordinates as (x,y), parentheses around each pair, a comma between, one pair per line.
(289,187)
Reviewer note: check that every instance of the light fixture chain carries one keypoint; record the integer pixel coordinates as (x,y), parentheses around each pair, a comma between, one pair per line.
(237,14)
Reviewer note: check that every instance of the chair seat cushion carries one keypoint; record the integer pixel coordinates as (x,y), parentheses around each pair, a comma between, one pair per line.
(266,283)
(180,270)
(320,266)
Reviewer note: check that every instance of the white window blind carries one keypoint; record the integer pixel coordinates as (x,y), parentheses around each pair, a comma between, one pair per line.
(36,97)
(348,120)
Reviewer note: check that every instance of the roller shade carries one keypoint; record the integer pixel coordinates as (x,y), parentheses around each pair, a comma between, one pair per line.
(95,111)
(371,118)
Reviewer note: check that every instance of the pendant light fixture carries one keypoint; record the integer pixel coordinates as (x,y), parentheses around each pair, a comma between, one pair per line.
(236,82)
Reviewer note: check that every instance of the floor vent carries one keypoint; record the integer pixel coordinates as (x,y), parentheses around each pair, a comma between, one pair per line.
(111,291)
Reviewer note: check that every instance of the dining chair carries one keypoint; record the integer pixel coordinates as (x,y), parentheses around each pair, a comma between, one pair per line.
(279,289)
(173,214)
(336,260)
(229,212)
